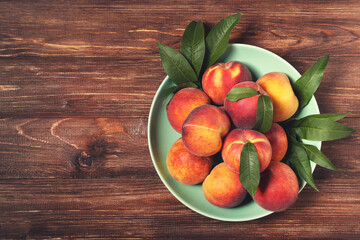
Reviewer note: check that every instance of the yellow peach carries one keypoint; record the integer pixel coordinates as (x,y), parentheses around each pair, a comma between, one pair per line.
(234,143)
(203,130)
(185,167)
(222,187)
(278,86)
(278,140)
(182,103)
(221,77)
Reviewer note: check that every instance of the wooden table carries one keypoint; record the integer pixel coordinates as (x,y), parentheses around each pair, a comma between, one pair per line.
(77,79)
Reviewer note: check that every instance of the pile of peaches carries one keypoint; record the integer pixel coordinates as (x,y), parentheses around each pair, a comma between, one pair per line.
(211,124)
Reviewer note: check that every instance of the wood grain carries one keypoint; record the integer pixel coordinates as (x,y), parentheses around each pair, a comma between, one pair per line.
(73,148)
(77,79)
(131,28)
(92,87)
(122,208)
(104,148)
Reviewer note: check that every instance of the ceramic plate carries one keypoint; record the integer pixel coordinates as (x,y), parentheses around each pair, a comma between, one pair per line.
(161,136)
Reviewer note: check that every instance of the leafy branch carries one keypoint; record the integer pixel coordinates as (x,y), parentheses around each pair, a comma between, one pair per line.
(197,53)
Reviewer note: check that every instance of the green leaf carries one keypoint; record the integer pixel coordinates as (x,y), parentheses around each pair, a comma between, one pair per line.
(249,172)
(307,84)
(318,157)
(329,116)
(240,93)
(176,65)
(174,89)
(193,45)
(264,114)
(320,129)
(218,38)
(299,159)
(167,93)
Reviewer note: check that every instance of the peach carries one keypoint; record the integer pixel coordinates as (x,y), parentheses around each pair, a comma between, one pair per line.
(222,187)
(278,140)
(221,77)
(278,188)
(278,86)
(185,167)
(203,130)
(182,103)
(243,112)
(234,143)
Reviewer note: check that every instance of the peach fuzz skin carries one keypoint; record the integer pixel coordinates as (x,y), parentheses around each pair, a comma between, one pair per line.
(278,140)
(221,77)
(278,86)
(243,112)
(203,130)
(185,167)
(234,143)
(182,103)
(222,187)
(278,188)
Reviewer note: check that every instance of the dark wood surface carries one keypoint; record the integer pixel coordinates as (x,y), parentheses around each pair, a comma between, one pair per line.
(77,79)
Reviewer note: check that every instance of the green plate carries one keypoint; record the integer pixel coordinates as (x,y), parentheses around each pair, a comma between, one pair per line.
(161,136)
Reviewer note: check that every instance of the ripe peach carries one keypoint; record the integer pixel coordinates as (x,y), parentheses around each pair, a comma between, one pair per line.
(185,167)
(221,77)
(278,140)
(234,143)
(278,86)
(243,112)
(203,130)
(223,188)
(278,188)
(182,103)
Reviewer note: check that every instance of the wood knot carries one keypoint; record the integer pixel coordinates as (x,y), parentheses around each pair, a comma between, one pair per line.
(84,160)
(93,156)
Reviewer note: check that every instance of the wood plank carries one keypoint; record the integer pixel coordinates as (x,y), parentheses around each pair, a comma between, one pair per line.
(62,148)
(143,208)
(90,87)
(78,87)
(128,29)
(73,148)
